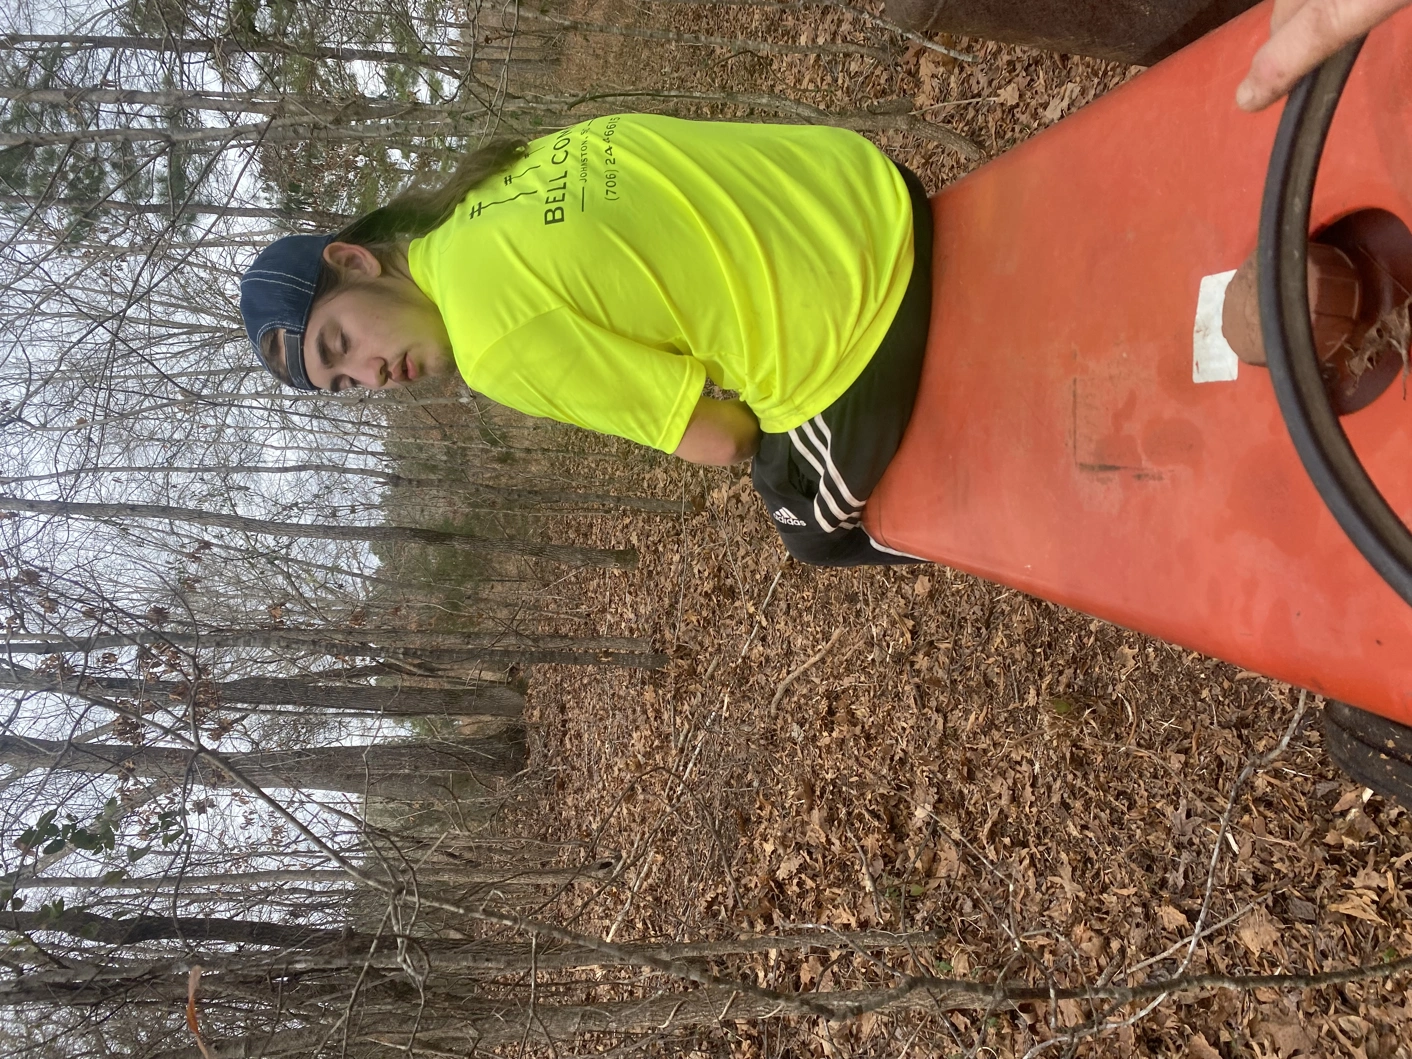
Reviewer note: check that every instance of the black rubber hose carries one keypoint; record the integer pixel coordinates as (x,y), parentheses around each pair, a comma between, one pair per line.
(1323,447)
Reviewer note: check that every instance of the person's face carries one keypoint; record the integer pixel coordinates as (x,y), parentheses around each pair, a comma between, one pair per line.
(376,330)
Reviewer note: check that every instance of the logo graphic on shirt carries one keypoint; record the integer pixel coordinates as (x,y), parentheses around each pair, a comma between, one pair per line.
(480,207)
(510,178)
(785,517)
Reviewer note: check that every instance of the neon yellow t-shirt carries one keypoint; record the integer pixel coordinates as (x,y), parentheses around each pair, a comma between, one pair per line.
(606,274)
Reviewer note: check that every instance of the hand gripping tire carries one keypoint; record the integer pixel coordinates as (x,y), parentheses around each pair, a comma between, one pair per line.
(1374,751)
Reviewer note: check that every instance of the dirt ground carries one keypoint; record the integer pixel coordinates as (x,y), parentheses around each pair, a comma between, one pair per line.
(915,749)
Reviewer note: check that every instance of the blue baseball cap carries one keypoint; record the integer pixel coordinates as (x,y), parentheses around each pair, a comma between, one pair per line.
(277,291)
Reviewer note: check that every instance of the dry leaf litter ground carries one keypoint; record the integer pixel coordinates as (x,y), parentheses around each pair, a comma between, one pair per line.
(915,749)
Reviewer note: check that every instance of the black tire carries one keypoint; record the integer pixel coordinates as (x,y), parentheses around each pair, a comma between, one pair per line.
(1373,750)
(1328,456)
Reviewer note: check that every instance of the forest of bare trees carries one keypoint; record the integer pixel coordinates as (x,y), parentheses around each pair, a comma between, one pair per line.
(267,654)
(242,626)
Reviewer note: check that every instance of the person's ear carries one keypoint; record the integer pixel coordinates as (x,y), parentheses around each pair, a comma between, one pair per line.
(352,260)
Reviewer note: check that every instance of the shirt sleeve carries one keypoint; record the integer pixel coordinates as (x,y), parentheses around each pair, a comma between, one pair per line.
(562,366)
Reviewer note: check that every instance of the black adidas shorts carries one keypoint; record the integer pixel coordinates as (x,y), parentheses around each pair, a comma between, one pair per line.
(816,478)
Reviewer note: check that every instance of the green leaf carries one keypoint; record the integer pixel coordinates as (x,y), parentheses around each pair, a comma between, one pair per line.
(1063,707)
(82,839)
(40,833)
(116,875)
(17,901)
(136,853)
(54,846)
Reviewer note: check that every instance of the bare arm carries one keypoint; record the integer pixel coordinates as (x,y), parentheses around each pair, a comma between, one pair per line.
(1303,33)
(720,433)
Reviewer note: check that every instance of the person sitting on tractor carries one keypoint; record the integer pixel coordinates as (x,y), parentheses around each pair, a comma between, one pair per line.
(601,274)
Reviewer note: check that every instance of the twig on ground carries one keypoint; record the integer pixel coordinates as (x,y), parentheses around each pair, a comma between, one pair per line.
(1077,1033)
(902,31)
(1252,766)
(760,613)
(1233,917)
(1101,1024)
(731,539)
(647,863)
(679,742)
(682,558)
(953,103)
(814,659)
(868,880)
(720,844)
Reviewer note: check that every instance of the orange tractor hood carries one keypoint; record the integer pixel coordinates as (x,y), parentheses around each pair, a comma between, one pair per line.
(1080,434)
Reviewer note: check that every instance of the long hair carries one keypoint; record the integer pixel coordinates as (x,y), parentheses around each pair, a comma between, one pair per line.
(415,211)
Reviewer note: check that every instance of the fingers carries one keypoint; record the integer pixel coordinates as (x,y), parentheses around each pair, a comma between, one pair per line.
(1304,34)
(1283,11)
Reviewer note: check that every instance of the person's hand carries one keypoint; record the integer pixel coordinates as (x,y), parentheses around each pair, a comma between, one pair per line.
(719,433)
(1303,33)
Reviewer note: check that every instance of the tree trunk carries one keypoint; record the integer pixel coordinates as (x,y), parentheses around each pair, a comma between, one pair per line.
(465,119)
(375,643)
(301,1042)
(349,636)
(231,882)
(565,553)
(222,47)
(352,109)
(467,122)
(396,770)
(494,700)
(173,209)
(737,44)
(494,497)
(662,1013)
(137,929)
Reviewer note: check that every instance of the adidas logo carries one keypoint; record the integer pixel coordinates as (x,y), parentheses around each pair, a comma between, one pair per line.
(785,517)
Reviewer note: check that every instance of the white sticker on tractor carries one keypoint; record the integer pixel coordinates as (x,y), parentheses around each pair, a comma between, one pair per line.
(1212,358)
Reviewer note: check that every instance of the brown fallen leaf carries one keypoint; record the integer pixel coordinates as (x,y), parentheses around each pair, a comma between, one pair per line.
(1349,800)
(1288,1037)
(1360,905)
(1258,932)
(1172,918)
